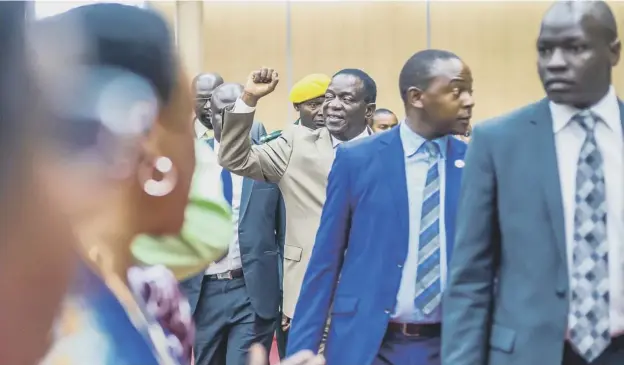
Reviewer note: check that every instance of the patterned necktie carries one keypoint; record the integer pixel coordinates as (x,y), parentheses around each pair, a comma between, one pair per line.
(589,305)
(428,290)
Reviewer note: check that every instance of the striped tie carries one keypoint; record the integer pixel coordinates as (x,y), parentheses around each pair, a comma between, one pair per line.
(428,290)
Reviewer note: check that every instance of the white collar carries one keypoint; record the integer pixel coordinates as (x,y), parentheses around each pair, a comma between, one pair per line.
(201,130)
(367,132)
(608,109)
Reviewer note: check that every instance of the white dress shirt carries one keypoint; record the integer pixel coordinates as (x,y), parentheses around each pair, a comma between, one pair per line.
(416,168)
(233,259)
(336,142)
(569,137)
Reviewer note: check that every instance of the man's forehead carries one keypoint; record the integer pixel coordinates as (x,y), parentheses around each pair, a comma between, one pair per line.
(206,84)
(451,69)
(572,20)
(345,83)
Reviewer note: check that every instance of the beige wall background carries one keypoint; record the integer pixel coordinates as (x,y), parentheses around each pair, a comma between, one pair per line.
(497,40)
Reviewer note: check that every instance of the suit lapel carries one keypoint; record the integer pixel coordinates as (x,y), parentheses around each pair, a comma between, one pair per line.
(325,148)
(453,169)
(247,187)
(392,159)
(546,161)
(245,196)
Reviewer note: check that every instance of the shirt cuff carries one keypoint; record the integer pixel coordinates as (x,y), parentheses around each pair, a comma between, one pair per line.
(241,108)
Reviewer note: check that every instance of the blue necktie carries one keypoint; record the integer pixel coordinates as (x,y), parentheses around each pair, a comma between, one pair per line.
(226,180)
(428,288)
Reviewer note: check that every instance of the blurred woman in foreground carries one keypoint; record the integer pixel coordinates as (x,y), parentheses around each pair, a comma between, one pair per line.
(130,131)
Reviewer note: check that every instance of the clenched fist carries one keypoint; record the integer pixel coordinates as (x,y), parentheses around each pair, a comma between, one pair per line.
(259,84)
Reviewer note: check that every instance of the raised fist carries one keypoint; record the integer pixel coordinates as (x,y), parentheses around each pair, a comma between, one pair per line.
(261,83)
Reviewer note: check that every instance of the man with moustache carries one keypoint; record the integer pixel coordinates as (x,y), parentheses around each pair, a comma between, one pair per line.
(236,300)
(299,160)
(390,246)
(537,276)
(203,86)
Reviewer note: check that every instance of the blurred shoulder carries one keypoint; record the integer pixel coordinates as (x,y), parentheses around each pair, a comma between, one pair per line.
(508,122)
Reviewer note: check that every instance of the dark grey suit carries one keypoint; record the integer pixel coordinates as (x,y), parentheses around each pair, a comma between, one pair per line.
(507,297)
(232,314)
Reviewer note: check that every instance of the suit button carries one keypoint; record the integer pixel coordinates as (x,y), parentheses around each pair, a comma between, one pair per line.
(387,311)
(399,266)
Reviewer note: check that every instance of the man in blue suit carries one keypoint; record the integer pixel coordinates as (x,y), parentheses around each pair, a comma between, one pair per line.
(538,271)
(236,301)
(388,226)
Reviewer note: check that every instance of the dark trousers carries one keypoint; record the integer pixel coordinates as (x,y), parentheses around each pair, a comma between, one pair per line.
(227,324)
(282,339)
(399,349)
(613,355)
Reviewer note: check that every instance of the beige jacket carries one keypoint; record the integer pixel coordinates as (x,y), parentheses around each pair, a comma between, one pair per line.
(299,162)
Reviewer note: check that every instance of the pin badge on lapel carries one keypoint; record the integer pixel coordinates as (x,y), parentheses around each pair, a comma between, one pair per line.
(460,164)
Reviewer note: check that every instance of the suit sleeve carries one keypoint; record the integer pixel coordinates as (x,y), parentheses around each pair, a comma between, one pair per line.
(469,294)
(266,162)
(321,276)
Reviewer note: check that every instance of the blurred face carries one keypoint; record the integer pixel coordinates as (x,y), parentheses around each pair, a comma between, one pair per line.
(171,137)
(383,122)
(574,59)
(36,265)
(223,96)
(204,87)
(311,112)
(447,102)
(344,109)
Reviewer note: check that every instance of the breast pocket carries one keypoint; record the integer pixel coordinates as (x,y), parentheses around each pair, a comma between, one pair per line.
(292,253)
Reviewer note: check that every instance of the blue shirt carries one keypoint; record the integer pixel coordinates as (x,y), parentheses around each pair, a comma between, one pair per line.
(416,167)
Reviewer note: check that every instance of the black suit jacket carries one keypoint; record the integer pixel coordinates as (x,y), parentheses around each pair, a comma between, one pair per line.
(261,229)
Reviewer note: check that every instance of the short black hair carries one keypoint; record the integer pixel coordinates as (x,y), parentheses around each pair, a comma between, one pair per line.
(383,111)
(417,70)
(370,87)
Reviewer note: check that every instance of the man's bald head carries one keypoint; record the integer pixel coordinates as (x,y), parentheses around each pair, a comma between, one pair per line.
(578,47)
(596,14)
(203,86)
(206,82)
(224,95)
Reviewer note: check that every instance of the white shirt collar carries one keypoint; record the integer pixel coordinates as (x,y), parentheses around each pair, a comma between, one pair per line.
(413,142)
(608,109)
(200,130)
(335,141)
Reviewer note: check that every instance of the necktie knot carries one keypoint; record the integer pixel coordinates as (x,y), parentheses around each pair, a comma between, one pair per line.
(587,120)
(432,149)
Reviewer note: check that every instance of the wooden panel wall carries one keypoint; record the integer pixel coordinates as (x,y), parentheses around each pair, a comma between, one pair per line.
(497,40)
(377,37)
(242,36)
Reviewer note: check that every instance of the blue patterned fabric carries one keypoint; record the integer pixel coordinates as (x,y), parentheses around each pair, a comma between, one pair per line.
(94,328)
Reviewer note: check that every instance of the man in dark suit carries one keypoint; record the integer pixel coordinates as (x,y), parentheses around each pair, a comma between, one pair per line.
(537,276)
(388,226)
(236,301)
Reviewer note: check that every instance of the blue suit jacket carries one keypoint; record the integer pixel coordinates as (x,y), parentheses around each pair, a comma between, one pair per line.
(261,232)
(367,212)
(507,298)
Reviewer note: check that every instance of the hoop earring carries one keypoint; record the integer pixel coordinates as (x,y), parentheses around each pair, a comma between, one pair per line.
(165,185)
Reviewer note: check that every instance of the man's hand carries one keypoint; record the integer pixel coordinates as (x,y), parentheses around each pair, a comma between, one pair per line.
(285,323)
(260,83)
(257,356)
